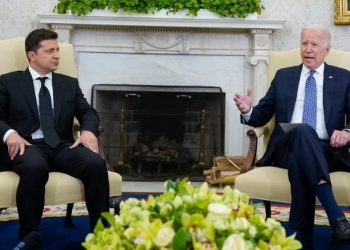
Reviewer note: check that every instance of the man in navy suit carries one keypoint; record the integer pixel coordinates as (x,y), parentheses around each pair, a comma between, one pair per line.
(37,109)
(311,149)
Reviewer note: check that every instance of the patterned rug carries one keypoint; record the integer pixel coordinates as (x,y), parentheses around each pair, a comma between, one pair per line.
(79,209)
(279,211)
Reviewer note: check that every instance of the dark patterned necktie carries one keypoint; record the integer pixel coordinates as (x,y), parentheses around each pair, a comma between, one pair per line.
(310,101)
(47,120)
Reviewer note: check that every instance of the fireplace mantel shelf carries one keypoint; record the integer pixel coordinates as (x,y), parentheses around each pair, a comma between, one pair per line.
(154,21)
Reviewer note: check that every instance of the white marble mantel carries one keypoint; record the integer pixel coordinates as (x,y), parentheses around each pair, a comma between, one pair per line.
(170,50)
(141,20)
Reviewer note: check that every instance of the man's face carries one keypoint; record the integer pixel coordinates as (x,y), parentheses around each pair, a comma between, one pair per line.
(314,47)
(47,57)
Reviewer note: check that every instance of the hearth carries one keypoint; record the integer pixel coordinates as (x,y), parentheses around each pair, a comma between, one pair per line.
(160,132)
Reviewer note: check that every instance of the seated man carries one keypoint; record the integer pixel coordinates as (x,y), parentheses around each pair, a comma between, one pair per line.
(37,109)
(316,96)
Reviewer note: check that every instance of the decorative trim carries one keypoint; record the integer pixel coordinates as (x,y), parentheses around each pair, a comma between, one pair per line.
(183,22)
(341,12)
(254,60)
(152,29)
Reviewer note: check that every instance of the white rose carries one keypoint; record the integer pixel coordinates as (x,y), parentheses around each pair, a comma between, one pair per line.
(164,237)
(235,242)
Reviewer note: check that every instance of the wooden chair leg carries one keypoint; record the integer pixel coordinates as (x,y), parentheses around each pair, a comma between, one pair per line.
(267,205)
(114,203)
(68,221)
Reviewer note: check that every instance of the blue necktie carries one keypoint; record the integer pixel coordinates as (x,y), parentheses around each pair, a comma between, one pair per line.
(310,101)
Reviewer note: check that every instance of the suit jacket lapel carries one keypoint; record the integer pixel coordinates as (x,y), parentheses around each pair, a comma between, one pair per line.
(292,90)
(328,88)
(27,87)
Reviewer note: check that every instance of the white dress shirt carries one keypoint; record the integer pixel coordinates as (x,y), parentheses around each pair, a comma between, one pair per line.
(297,116)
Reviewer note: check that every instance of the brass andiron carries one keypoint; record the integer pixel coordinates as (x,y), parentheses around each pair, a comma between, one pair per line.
(201,159)
(121,165)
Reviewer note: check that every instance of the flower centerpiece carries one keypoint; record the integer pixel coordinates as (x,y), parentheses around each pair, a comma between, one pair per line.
(227,8)
(185,217)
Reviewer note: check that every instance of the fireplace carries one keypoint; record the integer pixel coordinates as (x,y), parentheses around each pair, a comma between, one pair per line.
(160,132)
(231,54)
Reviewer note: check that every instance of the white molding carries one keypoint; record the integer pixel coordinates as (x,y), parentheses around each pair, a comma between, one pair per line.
(155,21)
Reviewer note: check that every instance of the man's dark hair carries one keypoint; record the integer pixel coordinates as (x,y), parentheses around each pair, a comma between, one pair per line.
(34,38)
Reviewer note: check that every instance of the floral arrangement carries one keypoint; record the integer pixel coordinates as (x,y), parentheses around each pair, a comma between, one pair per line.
(229,8)
(185,217)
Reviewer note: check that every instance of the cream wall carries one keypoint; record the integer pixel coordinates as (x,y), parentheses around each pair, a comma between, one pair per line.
(18,17)
(297,13)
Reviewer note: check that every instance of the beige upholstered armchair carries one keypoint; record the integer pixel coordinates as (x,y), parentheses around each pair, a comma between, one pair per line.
(270,183)
(60,188)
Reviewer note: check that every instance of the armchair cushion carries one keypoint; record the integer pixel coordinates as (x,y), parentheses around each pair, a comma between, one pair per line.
(273,180)
(60,188)
(271,183)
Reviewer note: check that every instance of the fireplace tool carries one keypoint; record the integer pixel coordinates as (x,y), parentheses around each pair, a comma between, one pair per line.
(120,165)
(201,159)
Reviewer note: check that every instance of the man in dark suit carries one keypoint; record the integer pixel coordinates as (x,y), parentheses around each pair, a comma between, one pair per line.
(37,109)
(316,96)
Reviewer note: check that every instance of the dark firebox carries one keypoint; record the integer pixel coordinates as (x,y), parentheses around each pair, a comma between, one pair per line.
(160,132)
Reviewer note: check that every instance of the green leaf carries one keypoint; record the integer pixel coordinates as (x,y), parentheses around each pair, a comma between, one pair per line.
(231,8)
(182,240)
(169,184)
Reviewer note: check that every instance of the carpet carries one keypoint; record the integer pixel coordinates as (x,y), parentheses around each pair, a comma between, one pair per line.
(58,237)
(55,235)
(279,211)
(79,209)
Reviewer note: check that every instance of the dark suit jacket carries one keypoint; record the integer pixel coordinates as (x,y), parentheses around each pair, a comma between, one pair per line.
(281,96)
(18,107)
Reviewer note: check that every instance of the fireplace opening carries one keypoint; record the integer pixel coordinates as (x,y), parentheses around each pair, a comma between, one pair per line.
(160,132)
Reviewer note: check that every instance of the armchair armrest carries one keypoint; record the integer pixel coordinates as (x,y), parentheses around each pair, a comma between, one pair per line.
(253,134)
(101,151)
(250,158)
(259,131)
(226,168)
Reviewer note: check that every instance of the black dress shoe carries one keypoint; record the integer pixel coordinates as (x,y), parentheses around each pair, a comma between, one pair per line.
(341,233)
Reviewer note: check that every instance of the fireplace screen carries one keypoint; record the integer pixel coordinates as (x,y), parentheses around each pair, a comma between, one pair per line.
(160,132)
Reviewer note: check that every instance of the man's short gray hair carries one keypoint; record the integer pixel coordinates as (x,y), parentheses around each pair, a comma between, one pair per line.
(320,27)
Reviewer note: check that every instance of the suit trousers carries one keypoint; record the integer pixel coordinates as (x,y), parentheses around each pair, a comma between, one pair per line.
(33,168)
(308,160)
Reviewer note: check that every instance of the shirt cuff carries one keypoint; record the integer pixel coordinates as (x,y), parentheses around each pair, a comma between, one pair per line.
(247,115)
(8,132)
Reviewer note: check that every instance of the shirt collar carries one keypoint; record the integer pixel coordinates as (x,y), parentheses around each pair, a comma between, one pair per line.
(305,71)
(35,74)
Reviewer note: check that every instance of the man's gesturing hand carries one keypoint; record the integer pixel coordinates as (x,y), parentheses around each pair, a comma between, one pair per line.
(244,102)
